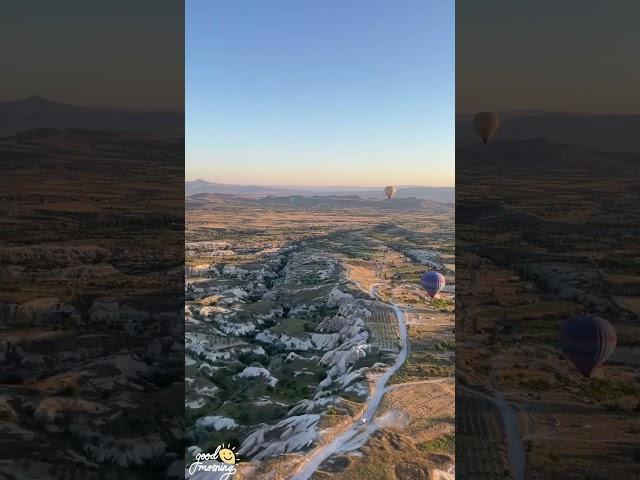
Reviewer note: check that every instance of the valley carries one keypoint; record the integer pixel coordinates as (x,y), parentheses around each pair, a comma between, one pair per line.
(303,320)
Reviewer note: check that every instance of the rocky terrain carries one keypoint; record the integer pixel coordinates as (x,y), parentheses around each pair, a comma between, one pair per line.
(284,340)
(91,296)
(278,336)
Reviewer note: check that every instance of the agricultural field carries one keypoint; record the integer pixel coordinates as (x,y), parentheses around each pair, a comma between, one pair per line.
(416,437)
(479,418)
(384,328)
(432,346)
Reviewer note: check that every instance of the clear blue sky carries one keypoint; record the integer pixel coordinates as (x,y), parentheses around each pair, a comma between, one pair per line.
(327,92)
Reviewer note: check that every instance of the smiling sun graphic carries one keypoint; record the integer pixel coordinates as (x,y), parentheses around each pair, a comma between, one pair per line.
(227,455)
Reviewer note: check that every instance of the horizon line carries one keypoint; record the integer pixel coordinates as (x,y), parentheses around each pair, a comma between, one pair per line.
(536,112)
(314,186)
(97,107)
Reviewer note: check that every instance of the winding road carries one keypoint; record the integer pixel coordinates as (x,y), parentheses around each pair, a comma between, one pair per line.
(315,459)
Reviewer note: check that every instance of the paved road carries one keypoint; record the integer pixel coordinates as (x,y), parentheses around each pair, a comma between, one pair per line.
(515,449)
(314,459)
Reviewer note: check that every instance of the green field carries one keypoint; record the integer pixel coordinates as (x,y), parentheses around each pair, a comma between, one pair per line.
(444,444)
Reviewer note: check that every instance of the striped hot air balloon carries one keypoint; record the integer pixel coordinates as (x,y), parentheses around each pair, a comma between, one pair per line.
(587,340)
(486,124)
(432,282)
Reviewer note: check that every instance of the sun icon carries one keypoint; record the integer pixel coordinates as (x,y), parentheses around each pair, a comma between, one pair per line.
(228,455)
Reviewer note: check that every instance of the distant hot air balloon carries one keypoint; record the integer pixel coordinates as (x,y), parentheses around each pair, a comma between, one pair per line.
(432,282)
(587,340)
(390,191)
(486,124)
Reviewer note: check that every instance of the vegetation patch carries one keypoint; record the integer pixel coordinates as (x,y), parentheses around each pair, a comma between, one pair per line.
(445,444)
(422,365)
(443,303)
(608,391)
(292,326)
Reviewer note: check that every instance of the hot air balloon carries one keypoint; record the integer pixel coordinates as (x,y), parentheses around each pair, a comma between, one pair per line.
(432,282)
(486,124)
(390,191)
(587,340)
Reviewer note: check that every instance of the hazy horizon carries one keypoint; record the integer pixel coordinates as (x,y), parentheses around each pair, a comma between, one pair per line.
(54,99)
(333,93)
(298,185)
(430,193)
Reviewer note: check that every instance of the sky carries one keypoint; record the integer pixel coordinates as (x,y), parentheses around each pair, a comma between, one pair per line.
(332,92)
(116,53)
(568,56)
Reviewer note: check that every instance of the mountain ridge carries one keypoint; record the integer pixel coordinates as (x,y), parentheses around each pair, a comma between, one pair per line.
(436,194)
(36,112)
(539,154)
(604,132)
(319,202)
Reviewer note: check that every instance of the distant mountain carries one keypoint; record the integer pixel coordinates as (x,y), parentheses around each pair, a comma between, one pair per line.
(538,154)
(611,133)
(436,194)
(37,112)
(320,202)
(202,186)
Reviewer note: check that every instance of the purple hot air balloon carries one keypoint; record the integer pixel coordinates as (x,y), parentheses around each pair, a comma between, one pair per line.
(432,282)
(587,340)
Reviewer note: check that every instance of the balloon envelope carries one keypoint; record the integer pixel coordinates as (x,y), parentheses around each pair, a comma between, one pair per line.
(486,124)
(390,191)
(587,340)
(432,282)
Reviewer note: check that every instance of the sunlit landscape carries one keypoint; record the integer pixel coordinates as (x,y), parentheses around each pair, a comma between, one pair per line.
(303,320)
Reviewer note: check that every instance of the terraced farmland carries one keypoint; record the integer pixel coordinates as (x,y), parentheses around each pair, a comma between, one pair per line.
(384,327)
(478,418)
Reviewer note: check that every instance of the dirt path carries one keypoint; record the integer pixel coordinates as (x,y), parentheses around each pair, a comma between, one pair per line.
(315,459)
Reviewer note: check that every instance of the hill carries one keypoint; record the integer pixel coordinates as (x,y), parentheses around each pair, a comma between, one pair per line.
(320,202)
(436,194)
(540,155)
(37,112)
